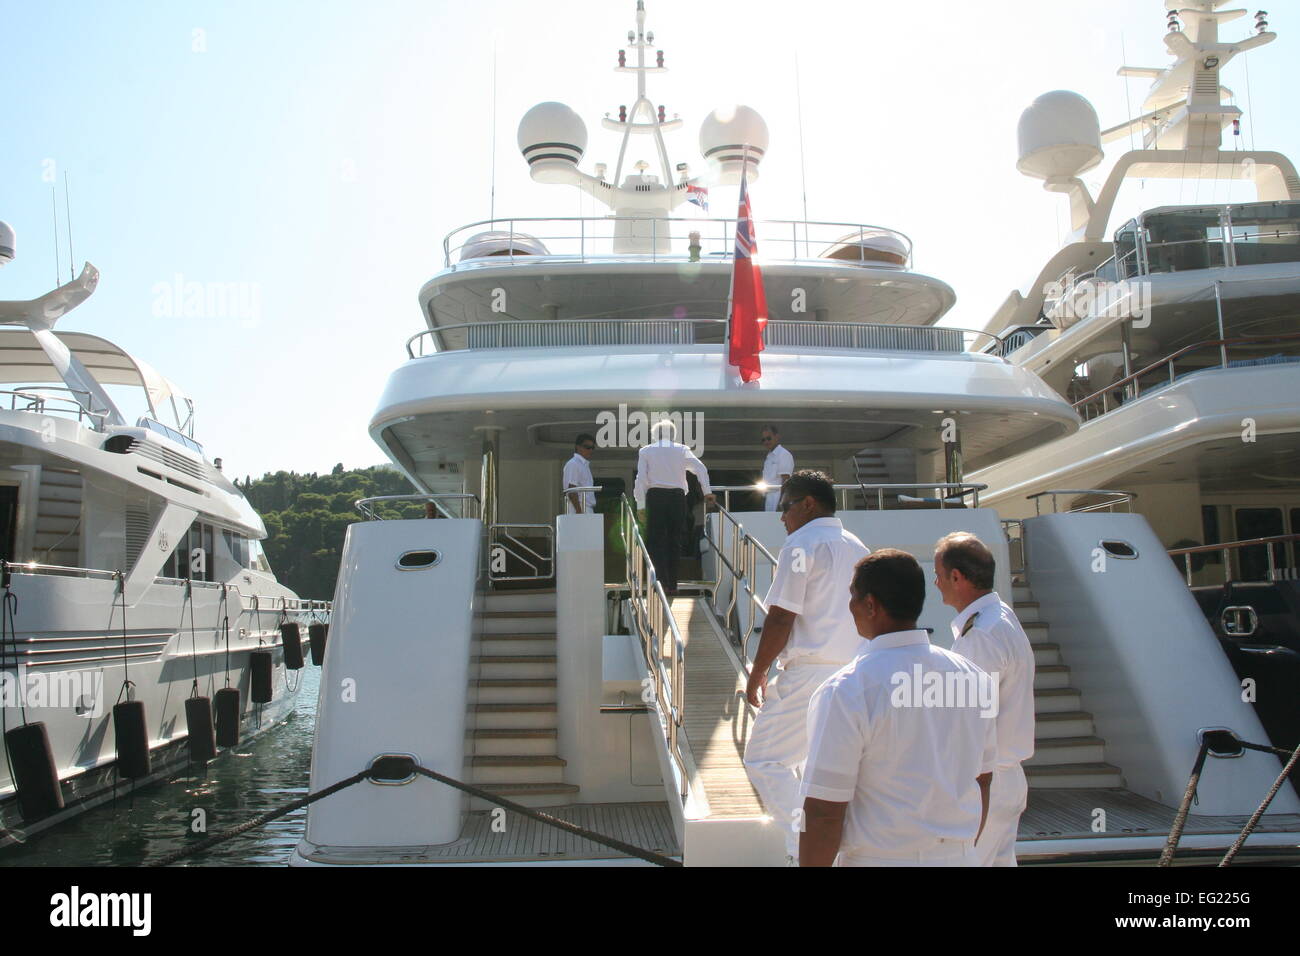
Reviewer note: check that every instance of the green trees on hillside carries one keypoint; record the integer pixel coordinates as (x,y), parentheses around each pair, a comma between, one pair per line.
(306,517)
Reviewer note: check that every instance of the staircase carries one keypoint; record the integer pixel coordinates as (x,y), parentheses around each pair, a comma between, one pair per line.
(881,466)
(1068,754)
(512,740)
(58,518)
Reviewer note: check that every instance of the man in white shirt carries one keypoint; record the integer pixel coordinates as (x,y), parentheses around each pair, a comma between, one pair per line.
(986,632)
(577,474)
(660,489)
(902,741)
(808,633)
(777,466)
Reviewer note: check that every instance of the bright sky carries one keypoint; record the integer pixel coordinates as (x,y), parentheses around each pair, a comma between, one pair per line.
(311,156)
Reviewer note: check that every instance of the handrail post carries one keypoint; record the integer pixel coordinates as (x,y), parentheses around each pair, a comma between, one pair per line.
(1218,306)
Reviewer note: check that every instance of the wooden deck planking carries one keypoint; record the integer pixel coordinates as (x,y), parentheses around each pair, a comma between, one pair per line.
(716,724)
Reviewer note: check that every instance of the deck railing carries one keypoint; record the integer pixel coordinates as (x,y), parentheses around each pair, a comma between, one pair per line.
(592,238)
(1229,548)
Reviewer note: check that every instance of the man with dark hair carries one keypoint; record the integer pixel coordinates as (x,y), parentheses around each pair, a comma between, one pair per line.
(986,632)
(897,775)
(777,466)
(808,633)
(577,474)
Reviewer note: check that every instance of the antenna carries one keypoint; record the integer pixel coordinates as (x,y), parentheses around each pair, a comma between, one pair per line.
(54,214)
(492,199)
(67,212)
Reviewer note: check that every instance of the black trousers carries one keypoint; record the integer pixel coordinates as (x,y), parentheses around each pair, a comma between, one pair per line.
(665,520)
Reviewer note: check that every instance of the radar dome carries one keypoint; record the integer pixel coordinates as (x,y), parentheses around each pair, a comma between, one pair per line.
(552,138)
(1059,137)
(730,133)
(6,243)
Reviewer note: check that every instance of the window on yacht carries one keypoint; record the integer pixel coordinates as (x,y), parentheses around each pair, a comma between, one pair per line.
(192,557)
(1265,233)
(1184,239)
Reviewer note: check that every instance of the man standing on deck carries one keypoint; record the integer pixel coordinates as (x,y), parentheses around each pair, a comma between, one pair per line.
(809,633)
(660,489)
(777,466)
(902,741)
(577,474)
(987,633)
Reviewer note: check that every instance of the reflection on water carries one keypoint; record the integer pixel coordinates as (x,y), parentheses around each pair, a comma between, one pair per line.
(151,823)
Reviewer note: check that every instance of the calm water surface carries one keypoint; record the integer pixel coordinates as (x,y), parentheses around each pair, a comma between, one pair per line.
(237,786)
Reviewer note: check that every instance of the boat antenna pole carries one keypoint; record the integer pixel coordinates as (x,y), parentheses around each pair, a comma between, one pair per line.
(67,211)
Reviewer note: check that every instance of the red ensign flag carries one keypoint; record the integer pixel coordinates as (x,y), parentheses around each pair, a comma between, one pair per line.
(748,303)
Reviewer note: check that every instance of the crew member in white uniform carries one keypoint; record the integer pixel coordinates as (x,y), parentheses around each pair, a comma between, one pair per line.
(808,633)
(660,489)
(777,466)
(896,775)
(577,474)
(986,632)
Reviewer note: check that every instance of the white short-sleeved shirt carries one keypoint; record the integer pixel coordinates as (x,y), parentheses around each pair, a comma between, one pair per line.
(997,643)
(777,463)
(577,474)
(813,572)
(664,464)
(906,770)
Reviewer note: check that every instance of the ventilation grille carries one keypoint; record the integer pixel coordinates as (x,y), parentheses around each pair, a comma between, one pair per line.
(165,456)
(138,526)
(1207,82)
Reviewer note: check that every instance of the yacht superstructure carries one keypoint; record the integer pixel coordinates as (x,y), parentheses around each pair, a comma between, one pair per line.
(534,655)
(1177,339)
(132,574)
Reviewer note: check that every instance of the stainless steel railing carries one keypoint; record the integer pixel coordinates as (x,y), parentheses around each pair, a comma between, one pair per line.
(469,504)
(503,542)
(661,640)
(741,556)
(669,239)
(958,491)
(1109,502)
(1228,548)
(37,402)
(606,331)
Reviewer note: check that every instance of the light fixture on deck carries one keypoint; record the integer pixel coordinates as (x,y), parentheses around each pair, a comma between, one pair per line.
(1261,21)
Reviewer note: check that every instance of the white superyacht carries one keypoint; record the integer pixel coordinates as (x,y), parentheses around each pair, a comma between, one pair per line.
(535,656)
(1176,337)
(134,592)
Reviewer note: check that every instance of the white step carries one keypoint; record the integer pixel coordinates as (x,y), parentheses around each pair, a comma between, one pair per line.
(513,740)
(1068,750)
(529,795)
(1051,677)
(493,644)
(538,600)
(1056,700)
(516,690)
(1074,776)
(519,622)
(1021,592)
(516,666)
(1036,631)
(1027,612)
(1046,653)
(1069,723)
(517,768)
(487,716)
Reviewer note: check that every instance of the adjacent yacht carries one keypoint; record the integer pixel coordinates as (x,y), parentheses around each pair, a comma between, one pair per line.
(534,657)
(1176,338)
(135,589)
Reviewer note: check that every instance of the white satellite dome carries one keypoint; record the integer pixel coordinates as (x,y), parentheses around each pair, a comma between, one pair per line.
(1060,136)
(7,242)
(730,133)
(552,138)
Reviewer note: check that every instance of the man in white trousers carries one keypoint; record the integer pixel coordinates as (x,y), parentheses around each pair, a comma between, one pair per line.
(808,633)
(987,633)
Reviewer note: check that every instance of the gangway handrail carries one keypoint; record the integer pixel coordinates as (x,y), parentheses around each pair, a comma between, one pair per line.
(661,639)
(745,554)
(1227,546)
